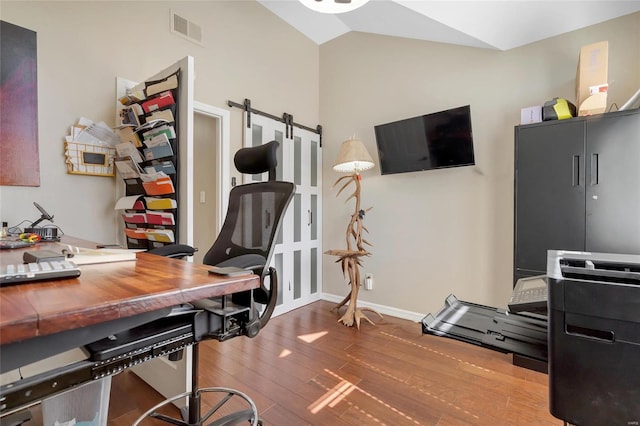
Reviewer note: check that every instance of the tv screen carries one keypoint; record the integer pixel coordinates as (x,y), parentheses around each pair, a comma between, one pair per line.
(432,141)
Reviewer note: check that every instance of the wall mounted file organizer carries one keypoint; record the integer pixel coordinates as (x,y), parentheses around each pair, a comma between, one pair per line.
(87,159)
(150,206)
(89,149)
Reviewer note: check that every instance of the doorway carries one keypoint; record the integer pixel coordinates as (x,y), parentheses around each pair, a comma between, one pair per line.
(211,175)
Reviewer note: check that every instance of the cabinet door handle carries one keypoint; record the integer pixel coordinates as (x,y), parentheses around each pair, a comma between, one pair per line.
(594,169)
(575,171)
(310,218)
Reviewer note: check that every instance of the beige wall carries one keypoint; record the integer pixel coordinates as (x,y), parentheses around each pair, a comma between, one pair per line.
(446,231)
(83,46)
(434,233)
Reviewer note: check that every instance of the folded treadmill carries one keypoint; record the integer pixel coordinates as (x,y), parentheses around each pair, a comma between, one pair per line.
(521,333)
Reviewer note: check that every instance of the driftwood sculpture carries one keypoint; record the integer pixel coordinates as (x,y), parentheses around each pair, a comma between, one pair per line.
(350,258)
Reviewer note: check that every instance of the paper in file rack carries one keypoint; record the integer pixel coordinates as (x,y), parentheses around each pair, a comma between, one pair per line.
(137,233)
(160,218)
(155,87)
(131,202)
(165,167)
(135,218)
(158,151)
(128,149)
(161,186)
(134,186)
(166,129)
(128,134)
(160,235)
(164,99)
(160,203)
(165,114)
(127,167)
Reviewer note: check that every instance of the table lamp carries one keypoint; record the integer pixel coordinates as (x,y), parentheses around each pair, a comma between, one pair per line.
(353,158)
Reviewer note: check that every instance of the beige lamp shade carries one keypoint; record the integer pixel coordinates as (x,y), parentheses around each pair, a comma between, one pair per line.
(353,157)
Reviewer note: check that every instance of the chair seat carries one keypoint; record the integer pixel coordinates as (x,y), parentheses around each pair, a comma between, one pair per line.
(245,261)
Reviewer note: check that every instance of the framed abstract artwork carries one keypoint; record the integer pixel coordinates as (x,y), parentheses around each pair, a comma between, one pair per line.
(19,159)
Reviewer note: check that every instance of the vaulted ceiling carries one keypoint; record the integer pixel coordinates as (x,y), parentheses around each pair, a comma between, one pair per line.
(500,25)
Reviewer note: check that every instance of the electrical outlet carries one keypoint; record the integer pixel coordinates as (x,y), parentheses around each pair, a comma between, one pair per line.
(368,282)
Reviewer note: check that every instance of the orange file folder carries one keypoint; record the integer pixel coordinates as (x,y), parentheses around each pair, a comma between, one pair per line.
(162,186)
(139,234)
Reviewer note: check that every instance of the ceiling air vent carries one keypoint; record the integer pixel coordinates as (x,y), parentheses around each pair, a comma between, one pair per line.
(185,28)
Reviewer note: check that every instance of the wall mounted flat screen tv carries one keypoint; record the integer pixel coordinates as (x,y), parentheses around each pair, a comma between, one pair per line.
(432,141)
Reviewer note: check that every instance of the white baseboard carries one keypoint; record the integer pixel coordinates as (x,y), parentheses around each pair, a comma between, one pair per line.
(386,310)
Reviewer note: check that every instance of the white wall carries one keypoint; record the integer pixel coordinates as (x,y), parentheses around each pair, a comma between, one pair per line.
(446,231)
(84,45)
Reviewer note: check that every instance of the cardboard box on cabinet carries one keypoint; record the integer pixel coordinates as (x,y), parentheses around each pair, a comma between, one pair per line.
(592,70)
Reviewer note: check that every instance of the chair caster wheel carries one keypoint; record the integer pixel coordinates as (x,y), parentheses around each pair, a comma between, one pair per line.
(253,328)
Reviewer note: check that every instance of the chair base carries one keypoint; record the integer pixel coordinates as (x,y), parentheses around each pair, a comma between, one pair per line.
(235,418)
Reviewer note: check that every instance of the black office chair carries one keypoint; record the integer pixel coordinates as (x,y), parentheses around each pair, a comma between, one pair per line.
(247,241)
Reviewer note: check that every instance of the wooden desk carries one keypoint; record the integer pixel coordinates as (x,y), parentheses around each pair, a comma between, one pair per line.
(44,318)
(104,292)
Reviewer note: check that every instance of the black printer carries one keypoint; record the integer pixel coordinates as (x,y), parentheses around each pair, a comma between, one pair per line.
(594,337)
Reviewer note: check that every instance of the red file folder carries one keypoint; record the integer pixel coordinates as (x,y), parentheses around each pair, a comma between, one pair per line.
(162,100)
(136,218)
(160,218)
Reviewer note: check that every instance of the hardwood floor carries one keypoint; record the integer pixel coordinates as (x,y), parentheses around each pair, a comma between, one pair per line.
(305,368)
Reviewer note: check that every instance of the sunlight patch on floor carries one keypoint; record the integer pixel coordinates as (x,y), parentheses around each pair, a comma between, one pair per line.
(285,353)
(332,397)
(310,338)
(340,391)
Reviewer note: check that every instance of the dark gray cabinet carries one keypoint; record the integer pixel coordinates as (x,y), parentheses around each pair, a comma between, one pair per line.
(577,187)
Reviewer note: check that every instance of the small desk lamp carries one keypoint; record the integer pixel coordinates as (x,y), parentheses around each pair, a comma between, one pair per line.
(353,158)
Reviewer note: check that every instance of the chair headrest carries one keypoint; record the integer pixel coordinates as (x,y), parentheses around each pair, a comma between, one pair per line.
(257,159)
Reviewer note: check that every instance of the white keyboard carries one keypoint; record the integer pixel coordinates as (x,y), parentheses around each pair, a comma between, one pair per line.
(28,272)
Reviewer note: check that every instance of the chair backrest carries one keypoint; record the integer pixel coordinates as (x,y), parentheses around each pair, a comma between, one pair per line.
(254,217)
